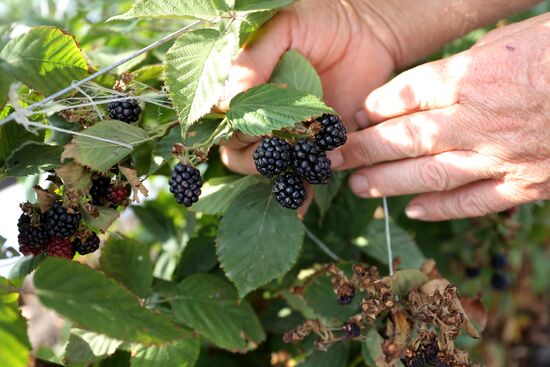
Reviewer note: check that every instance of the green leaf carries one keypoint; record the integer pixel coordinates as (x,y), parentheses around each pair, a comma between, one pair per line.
(97,303)
(104,219)
(297,72)
(218,193)
(182,353)
(32,157)
(45,58)
(373,243)
(403,281)
(199,256)
(5,81)
(335,356)
(156,221)
(12,137)
(210,306)
(325,194)
(25,266)
(268,107)
(86,347)
(258,240)
(100,155)
(259,5)
(372,349)
(197,66)
(15,348)
(200,132)
(128,262)
(201,9)
(252,22)
(320,296)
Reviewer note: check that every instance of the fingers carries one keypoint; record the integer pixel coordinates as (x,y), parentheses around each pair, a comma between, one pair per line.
(429,86)
(256,62)
(474,200)
(416,135)
(239,160)
(240,141)
(442,172)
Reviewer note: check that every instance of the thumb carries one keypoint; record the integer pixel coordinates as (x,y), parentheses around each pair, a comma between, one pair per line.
(256,61)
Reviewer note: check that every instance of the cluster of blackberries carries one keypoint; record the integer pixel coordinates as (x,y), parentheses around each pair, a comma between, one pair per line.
(107,193)
(53,232)
(127,111)
(185,183)
(306,160)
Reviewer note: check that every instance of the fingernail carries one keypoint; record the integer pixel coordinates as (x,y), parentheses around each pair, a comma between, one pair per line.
(336,158)
(358,184)
(362,119)
(415,211)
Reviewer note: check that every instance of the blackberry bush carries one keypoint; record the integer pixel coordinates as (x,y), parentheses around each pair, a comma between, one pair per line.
(311,162)
(272,156)
(127,111)
(289,190)
(332,134)
(185,184)
(59,222)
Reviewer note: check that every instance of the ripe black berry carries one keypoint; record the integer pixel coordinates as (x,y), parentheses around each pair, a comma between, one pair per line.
(127,111)
(473,271)
(60,223)
(32,239)
(311,162)
(499,261)
(500,281)
(350,330)
(272,156)
(416,361)
(60,247)
(99,188)
(90,244)
(332,134)
(117,193)
(289,190)
(185,184)
(431,353)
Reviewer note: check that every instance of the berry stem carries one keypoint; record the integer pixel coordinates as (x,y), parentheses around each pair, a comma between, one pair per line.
(321,245)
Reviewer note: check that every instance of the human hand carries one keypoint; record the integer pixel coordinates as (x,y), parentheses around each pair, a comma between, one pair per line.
(471,132)
(346,42)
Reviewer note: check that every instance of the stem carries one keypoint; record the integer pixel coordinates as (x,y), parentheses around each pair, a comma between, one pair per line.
(322,245)
(388,234)
(101,72)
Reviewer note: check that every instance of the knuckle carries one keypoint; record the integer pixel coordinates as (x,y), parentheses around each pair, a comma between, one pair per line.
(411,146)
(469,204)
(435,176)
(360,151)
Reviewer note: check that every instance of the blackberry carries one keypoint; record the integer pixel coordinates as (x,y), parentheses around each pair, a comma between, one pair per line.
(60,223)
(431,353)
(345,294)
(311,162)
(499,261)
(117,193)
(90,244)
(185,184)
(350,330)
(289,190)
(127,111)
(60,247)
(473,271)
(332,134)
(272,156)
(32,239)
(100,184)
(28,250)
(500,281)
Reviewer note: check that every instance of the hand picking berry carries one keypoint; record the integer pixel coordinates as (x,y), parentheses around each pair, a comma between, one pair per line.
(185,184)
(126,111)
(272,156)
